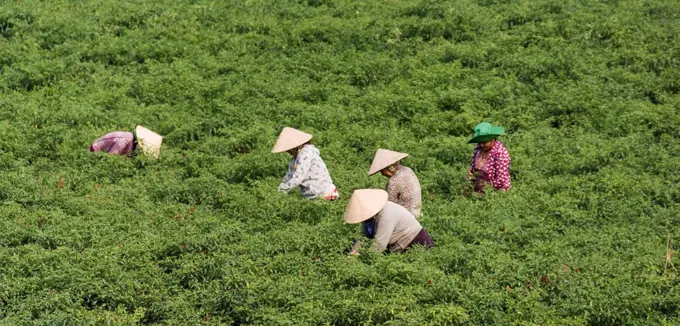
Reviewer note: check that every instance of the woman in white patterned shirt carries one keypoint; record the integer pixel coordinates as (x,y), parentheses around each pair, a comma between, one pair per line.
(306,168)
(403,186)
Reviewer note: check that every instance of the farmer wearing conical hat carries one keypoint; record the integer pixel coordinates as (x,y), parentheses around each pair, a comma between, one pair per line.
(403,187)
(490,160)
(391,226)
(306,169)
(126,143)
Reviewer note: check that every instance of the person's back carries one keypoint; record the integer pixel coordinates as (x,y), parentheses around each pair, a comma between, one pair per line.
(308,171)
(117,142)
(396,228)
(126,143)
(403,188)
(390,225)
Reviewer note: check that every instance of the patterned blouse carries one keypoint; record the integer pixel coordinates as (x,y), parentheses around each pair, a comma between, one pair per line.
(308,171)
(496,169)
(403,188)
(117,142)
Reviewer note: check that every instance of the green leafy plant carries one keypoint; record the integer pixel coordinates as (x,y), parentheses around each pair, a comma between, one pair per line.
(587,90)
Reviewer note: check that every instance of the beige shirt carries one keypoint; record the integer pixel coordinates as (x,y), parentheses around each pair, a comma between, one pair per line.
(395,228)
(403,188)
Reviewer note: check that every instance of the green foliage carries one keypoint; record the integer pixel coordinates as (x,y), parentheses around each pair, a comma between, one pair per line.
(588,91)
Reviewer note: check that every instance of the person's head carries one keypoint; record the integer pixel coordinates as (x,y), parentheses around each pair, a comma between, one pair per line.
(291,141)
(487,146)
(389,171)
(364,204)
(386,162)
(485,135)
(148,141)
(294,151)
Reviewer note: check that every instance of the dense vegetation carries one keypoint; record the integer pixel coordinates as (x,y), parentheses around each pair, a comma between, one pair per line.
(588,91)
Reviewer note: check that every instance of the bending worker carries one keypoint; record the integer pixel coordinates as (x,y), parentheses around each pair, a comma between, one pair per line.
(391,226)
(490,160)
(306,168)
(127,143)
(403,187)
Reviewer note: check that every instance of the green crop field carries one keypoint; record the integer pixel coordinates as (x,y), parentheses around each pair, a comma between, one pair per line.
(587,91)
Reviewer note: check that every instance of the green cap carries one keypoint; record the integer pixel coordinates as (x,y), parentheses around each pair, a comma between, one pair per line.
(485,132)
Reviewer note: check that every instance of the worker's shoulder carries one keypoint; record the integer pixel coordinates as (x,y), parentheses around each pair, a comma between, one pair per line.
(500,148)
(394,210)
(407,174)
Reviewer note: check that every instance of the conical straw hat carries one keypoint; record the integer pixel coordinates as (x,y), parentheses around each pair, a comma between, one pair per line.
(364,204)
(149,141)
(384,158)
(289,139)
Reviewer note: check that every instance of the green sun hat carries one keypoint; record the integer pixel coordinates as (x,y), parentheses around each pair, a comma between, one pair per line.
(485,132)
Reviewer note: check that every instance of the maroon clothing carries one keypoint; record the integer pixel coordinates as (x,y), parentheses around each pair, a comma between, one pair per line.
(494,169)
(117,142)
(423,238)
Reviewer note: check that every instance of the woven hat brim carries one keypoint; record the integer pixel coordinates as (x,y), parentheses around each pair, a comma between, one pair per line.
(289,139)
(482,139)
(491,134)
(384,158)
(364,204)
(148,141)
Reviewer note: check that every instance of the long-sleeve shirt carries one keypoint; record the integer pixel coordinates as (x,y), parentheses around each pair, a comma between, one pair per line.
(403,188)
(496,170)
(117,142)
(396,228)
(308,171)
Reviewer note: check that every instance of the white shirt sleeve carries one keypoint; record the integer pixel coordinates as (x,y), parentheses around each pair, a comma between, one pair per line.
(300,169)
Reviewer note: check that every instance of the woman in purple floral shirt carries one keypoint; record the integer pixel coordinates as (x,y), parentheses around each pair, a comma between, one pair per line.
(117,142)
(125,143)
(490,160)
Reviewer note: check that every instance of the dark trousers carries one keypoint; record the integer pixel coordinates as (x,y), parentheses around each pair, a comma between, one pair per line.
(423,238)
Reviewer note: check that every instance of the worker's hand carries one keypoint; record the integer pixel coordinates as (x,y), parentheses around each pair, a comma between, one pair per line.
(479,187)
(355,248)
